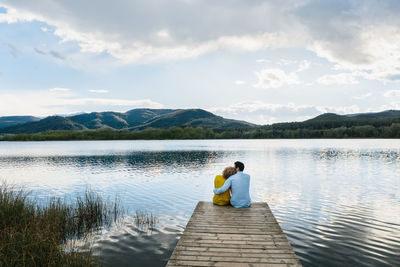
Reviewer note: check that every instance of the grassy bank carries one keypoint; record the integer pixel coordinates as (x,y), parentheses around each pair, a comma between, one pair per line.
(36,235)
(181,133)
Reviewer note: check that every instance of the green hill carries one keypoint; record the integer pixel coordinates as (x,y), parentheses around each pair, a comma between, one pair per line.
(331,120)
(376,115)
(136,119)
(141,119)
(100,120)
(47,124)
(15,120)
(193,118)
(117,120)
(152,124)
(139,116)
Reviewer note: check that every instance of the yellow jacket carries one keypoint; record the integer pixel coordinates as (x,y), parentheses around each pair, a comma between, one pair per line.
(221,199)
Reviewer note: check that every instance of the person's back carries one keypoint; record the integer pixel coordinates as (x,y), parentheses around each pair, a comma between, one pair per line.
(224,198)
(240,185)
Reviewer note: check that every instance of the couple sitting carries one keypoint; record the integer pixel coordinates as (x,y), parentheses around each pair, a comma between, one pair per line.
(232,182)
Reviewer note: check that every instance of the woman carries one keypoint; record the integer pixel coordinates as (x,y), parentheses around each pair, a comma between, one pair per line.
(224,198)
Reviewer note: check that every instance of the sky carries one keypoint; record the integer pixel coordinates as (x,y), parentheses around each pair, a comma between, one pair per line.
(259,61)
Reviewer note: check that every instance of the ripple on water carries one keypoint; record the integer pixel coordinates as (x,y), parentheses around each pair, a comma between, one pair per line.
(132,247)
(336,200)
(348,235)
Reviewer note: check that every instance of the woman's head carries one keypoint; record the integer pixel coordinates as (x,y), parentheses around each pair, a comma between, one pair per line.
(228,171)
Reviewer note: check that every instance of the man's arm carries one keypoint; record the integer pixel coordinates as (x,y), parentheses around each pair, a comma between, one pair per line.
(223,188)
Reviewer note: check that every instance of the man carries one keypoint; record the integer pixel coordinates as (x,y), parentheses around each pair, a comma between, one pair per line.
(240,185)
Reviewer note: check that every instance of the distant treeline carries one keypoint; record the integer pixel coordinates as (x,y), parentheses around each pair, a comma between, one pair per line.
(364,131)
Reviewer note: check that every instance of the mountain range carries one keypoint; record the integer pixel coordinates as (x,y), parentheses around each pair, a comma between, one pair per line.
(332,120)
(136,119)
(144,118)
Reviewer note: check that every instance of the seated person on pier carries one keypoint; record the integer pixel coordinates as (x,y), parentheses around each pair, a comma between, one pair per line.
(224,198)
(240,186)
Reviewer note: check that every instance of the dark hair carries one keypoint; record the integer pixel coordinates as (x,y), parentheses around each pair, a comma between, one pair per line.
(239,165)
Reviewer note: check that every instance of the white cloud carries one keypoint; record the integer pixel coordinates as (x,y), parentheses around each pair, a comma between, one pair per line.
(14,51)
(362,36)
(45,102)
(14,15)
(163,34)
(240,82)
(355,37)
(391,105)
(286,62)
(374,52)
(265,113)
(364,96)
(392,93)
(134,33)
(304,65)
(59,89)
(273,78)
(99,91)
(341,78)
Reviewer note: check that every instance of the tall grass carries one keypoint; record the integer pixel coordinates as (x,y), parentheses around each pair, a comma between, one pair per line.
(36,235)
(144,220)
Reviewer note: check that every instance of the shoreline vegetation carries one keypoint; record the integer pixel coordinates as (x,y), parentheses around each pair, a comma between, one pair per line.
(41,235)
(184,133)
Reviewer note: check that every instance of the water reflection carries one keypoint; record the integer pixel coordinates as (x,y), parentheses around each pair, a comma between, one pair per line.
(337,200)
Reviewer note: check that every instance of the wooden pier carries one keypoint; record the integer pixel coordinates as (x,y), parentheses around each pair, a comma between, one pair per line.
(226,236)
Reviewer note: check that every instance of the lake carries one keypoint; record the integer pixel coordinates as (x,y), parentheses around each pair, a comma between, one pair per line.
(338,201)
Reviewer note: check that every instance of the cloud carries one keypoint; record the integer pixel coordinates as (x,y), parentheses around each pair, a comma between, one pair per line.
(240,82)
(392,105)
(354,35)
(364,96)
(394,77)
(40,52)
(14,51)
(392,93)
(49,102)
(265,113)
(273,78)
(52,53)
(59,89)
(341,78)
(286,62)
(56,55)
(138,31)
(304,65)
(99,91)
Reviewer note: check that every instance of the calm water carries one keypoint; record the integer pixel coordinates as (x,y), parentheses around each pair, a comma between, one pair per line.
(338,201)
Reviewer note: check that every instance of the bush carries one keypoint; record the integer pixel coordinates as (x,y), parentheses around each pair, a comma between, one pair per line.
(36,235)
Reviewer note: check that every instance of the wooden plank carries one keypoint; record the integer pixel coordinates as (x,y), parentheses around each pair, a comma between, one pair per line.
(226,236)
(233,255)
(211,242)
(261,237)
(271,245)
(234,225)
(226,264)
(233,250)
(266,259)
